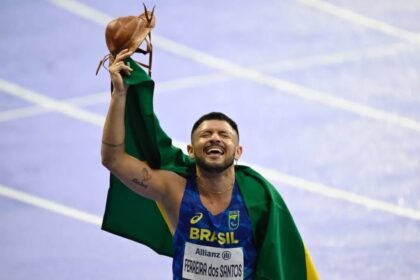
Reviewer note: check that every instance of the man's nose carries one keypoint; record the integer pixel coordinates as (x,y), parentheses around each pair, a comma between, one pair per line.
(215,137)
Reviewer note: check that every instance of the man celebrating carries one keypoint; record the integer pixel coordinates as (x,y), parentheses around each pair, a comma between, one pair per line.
(206,213)
(216,219)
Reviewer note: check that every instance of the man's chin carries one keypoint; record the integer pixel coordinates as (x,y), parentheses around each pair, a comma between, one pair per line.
(213,167)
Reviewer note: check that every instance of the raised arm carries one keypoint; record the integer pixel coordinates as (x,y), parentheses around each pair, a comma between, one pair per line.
(158,185)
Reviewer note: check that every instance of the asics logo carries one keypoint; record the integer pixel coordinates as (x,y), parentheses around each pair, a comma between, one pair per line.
(196,218)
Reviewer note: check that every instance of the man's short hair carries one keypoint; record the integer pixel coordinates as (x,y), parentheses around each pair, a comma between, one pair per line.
(215,116)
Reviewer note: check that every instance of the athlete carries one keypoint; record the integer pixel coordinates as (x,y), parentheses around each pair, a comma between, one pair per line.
(205,212)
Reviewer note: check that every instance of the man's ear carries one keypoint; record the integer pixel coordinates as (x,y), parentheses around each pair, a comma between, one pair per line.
(238,152)
(190,151)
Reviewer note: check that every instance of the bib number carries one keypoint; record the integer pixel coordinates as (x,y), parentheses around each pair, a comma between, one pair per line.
(208,263)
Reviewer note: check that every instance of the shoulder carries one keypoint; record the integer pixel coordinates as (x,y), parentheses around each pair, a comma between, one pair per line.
(173,185)
(171,179)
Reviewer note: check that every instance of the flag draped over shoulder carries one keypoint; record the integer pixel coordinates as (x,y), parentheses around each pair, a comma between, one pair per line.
(281,251)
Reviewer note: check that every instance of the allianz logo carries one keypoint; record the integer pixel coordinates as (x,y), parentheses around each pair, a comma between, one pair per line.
(226,255)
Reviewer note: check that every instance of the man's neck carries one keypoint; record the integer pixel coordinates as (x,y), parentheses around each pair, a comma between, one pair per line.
(216,184)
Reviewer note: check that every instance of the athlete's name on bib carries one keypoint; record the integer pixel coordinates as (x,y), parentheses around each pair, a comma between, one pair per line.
(212,263)
(214,272)
(212,236)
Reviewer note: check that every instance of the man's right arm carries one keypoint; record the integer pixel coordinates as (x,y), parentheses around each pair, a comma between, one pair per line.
(136,174)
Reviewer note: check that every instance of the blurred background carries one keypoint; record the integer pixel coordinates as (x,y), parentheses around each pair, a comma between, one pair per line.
(325,93)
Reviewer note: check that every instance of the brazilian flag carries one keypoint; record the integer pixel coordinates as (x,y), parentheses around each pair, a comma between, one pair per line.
(281,251)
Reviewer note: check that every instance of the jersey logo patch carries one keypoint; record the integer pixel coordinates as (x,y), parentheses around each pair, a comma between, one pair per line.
(196,218)
(233,219)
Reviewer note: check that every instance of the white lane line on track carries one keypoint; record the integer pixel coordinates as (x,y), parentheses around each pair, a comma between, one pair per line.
(338,194)
(49,205)
(336,58)
(83,11)
(23,112)
(50,104)
(208,79)
(272,175)
(103,97)
(290,88)
(298,183)
(373,24)
(30,111)
(251,74)
(67,108)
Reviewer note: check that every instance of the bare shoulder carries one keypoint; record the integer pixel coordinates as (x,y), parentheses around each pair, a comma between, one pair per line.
(173,183)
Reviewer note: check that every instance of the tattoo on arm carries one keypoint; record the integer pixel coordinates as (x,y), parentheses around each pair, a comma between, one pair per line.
(142,182)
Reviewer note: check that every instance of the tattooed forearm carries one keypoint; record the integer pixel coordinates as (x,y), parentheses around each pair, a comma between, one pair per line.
(142,182)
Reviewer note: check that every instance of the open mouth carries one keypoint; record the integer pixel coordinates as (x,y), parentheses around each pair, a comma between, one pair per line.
(214,150)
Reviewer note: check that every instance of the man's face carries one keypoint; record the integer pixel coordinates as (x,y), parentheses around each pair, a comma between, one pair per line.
(215,146)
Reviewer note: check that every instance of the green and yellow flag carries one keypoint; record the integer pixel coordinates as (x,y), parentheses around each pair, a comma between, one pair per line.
(281,251)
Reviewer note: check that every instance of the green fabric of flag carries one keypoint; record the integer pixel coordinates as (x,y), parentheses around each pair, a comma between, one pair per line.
(281,252)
